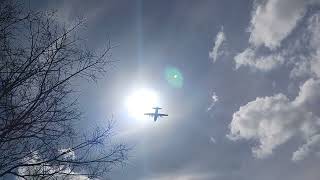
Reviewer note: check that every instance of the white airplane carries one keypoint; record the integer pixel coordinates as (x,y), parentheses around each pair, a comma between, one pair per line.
(156,114)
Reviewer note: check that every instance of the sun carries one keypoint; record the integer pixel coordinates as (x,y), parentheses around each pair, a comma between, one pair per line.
(141,101)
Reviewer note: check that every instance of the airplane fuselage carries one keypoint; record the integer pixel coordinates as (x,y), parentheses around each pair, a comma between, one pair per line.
(156,114)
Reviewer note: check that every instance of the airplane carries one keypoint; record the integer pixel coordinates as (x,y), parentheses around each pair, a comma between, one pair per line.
(156,114)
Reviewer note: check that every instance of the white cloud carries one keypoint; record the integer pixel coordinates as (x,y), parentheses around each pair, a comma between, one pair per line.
(312,145)
(69,153)
(214,100)
(263,63)
(315,64)
(308,64)
(51,168)
(274,120)
(301,69)
(215,52)
(183,176)
(314,31)
(273,20)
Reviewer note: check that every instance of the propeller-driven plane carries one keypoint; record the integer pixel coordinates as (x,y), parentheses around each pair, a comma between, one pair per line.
(156,113)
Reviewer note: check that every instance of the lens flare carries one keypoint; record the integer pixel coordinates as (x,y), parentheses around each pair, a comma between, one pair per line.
(174,77)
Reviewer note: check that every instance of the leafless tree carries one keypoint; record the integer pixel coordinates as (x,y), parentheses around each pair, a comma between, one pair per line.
(39,58)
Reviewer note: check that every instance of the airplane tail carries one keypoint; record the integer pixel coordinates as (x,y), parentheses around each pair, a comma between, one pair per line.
(156,108)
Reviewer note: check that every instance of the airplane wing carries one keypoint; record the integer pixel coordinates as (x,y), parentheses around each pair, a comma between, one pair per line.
(155,115)
(149,114)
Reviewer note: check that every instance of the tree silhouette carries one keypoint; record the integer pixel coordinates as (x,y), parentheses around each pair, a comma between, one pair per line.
(39,58)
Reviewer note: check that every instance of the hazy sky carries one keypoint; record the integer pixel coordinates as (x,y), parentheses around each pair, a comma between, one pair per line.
(248,106)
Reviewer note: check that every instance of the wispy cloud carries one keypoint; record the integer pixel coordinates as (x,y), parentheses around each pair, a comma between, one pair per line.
(216,50)
(263,63)
(213,140)
(308,64)
(214,100)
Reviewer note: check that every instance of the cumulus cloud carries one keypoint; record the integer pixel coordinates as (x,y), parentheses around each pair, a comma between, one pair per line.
(313,145)
(308,64)
(274,120)
(273,20)
(216,50)
(263,63)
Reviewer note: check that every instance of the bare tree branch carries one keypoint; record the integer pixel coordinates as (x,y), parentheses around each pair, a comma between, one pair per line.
(39,58)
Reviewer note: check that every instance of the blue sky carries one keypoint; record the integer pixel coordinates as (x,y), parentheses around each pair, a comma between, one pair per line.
(247,108)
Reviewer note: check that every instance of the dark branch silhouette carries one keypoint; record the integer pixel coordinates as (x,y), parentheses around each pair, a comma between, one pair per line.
(39,57)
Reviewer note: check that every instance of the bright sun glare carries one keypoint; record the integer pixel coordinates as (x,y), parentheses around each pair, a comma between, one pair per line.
(141,101)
